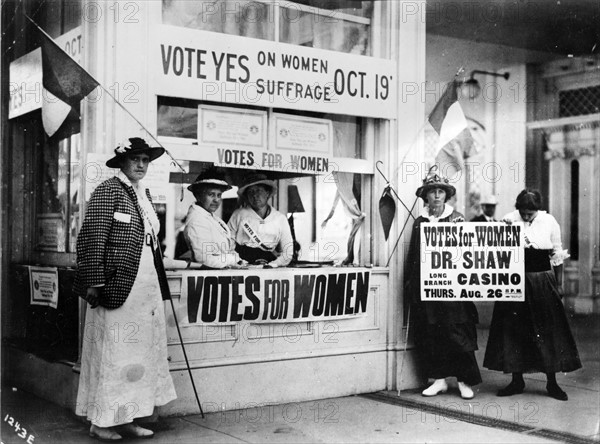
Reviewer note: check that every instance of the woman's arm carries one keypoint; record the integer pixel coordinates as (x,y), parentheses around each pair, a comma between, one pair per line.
(285,246)
(93,236)
(208,247)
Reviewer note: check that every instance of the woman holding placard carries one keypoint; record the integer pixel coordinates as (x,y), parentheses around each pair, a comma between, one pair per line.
(446,335)
(534,336)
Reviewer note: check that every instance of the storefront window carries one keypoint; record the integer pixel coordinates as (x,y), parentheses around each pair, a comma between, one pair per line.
(178,118)
(331,201)
(235,17)
(339,26)
(333,30)
(57,215)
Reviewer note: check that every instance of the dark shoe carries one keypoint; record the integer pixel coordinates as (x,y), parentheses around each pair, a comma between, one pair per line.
(514,388)
(556,392)
(104,434)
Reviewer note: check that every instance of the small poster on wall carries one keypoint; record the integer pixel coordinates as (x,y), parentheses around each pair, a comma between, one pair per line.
(225,126)
(299,133)
(50,232)
(43,286)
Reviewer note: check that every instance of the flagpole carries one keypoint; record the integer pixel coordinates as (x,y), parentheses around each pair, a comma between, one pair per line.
(187,363)
(111,96)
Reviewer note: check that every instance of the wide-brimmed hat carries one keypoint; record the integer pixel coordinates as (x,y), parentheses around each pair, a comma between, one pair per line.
(210,177)
(256,179)
(435,181)
(136,145)
(488,199)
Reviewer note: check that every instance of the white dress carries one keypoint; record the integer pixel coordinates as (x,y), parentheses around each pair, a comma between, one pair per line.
(124,367)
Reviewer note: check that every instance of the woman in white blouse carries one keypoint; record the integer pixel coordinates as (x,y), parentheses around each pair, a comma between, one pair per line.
(534,336)
(262,234)
(207,235)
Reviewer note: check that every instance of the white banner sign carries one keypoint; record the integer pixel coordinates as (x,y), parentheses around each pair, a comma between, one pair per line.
(278,295)
(219,67)
(482,261)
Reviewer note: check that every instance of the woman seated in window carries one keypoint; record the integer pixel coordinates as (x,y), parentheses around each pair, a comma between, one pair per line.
(262,234)
(207,236)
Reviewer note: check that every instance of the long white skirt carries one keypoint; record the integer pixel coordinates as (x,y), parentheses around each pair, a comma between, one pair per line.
(124,367)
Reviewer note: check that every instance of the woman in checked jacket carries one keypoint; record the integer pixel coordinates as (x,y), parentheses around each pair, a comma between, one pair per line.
(124,367)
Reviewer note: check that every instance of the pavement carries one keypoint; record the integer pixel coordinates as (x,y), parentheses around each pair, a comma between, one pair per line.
(406,417)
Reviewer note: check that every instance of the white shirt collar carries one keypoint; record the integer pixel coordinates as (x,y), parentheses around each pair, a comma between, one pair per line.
(447,212)
(123,178)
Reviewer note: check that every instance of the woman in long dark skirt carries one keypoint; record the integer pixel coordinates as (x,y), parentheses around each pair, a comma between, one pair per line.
(534,336)
(446,335)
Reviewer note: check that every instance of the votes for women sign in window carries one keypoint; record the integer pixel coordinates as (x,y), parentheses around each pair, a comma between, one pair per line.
(472,261)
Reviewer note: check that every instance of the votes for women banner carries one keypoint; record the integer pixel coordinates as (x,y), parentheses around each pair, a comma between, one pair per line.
(273,295)
(480,261)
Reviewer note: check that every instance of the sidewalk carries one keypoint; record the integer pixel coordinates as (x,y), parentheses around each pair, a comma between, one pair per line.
(356,419)
(532,412)
(532,417)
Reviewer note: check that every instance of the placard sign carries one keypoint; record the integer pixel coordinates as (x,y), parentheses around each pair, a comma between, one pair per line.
(43,286)
(278,295)
(482,261)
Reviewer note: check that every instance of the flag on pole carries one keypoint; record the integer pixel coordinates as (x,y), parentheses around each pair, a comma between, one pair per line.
(449,121)
(65,84)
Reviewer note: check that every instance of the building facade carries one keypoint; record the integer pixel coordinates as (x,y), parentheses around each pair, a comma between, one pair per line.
(321,96)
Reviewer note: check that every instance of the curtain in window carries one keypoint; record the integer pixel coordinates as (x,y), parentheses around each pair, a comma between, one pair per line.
(573,141)
(348,192)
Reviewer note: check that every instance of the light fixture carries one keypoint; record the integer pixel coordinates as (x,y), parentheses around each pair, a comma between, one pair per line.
(470,88)
(294,206)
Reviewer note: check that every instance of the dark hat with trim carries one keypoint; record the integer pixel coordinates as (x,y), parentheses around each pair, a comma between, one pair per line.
(136,145)
(256,179)
(210,177)
(433,181)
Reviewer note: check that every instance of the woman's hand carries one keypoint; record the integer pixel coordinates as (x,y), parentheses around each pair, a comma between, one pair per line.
(92,295)
(507,221)
(241,264)
(458,219)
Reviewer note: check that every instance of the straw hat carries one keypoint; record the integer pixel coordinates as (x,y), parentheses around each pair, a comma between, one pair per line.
(435,181)
(256,179)
(211,176)
(136,145)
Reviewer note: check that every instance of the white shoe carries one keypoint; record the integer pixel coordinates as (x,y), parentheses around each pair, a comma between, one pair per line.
(465,391)
(438,386)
